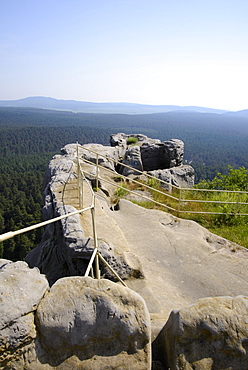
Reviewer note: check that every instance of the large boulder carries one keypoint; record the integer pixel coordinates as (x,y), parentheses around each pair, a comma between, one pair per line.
(182,176)
(132,159)
(161,155)
(107,154)
(211,333)
(96,325)
(78,323)
(21,290)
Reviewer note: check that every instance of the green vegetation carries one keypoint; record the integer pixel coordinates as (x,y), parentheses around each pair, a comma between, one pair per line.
(132,140)
(25,150)
(222,218)
(212,141)
(30,137)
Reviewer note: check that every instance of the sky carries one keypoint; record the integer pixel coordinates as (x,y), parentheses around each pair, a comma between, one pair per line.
(180,52)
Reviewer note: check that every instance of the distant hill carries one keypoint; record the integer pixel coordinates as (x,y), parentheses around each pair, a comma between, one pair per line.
(88,107)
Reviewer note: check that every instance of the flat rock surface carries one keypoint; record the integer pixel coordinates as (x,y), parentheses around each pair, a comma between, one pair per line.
(182,261)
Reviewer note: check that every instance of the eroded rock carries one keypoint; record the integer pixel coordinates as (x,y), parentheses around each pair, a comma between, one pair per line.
(211,333)
(96,319)
(21,290)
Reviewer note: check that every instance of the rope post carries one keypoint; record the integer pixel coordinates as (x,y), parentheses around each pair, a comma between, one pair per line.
(79,177)
(237,204)
(179,202)
(97,169)
(95,241)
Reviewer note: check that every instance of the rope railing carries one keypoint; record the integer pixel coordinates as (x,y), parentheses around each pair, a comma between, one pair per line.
(179,199)
(96,254)
(82,179)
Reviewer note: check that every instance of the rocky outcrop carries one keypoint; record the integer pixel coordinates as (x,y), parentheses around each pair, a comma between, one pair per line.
(97,324)
(160,155)
(163,160)
(100,324)
(132,159)
(21,290)
(211,333)
(78,323)
(65,250)
(181,176)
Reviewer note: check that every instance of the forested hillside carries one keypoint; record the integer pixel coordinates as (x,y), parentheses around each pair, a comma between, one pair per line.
(29,138)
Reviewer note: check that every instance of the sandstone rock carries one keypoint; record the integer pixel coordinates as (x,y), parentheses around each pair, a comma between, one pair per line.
(120,139)
(60,170)
(160,155)
(174,150)
(113,153)
(211,333)
(64,249)
(153,156)
(95,321)
(132,159)
(182,176)
(21,290)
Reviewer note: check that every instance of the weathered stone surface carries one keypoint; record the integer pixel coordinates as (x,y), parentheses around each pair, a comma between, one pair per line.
(17,343)
(113,153)
(95,318)
(211,333)
(21,290)
(120,139)
(181,176)
(153,156)
(64,249)
(160,155)
(80,323)
(132,159)
(174,150)
(59,171)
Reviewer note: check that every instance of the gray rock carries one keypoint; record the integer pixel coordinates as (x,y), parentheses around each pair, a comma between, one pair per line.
(22,289)
(174,151)
(97,322)
(211,333)
(182,176)
(119,139)
(113,153)
(132,159)
(161,155)
(64,249)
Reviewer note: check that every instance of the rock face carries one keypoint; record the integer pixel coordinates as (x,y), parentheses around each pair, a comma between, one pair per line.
(211,333)
(161,155)
(181,176)
(79,323)
(161,159)
(21,290)
(100,323)
(65,250)
(132,159)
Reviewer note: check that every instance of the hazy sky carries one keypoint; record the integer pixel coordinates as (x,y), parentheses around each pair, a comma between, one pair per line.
(183,52)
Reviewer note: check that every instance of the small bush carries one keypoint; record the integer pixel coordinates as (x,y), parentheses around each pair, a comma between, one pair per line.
(132,140)
(121,191)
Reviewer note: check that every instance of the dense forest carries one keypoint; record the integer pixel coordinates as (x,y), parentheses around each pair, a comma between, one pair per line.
(30,137)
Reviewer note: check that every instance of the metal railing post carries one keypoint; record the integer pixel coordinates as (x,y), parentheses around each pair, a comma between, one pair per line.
(179,202)
(97,169)
(79,182)
(95,241)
